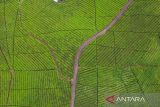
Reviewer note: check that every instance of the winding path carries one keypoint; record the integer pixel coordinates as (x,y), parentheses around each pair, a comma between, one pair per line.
(87,42)
(45,43)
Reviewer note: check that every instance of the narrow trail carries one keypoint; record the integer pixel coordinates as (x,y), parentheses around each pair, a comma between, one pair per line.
(12,72)
(87,42)
(45,43)
(42,41)
(10,68)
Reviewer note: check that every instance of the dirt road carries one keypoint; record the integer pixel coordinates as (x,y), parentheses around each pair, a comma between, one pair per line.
(87,42)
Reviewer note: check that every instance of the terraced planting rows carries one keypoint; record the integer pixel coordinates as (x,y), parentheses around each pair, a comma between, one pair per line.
(39,40)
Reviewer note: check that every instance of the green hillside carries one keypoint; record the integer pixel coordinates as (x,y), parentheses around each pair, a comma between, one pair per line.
(39,40)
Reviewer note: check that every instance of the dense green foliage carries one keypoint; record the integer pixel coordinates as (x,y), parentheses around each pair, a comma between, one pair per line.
(124,60)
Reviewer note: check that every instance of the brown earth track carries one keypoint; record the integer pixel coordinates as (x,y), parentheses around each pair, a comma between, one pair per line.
(87,42)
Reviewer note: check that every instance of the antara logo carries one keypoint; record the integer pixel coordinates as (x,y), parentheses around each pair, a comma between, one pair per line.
(113,99)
